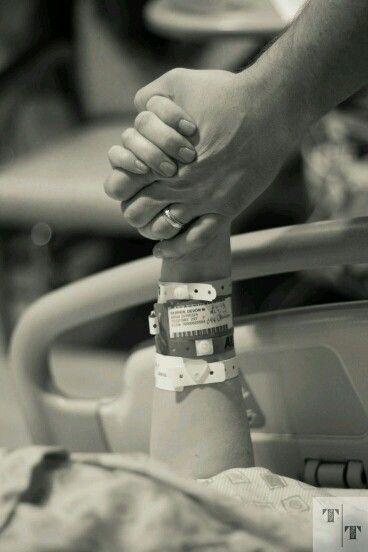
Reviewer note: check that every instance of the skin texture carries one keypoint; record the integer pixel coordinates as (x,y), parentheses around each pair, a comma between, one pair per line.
(247,124)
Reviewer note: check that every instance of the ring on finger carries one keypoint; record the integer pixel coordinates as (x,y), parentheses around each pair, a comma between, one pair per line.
(172,220)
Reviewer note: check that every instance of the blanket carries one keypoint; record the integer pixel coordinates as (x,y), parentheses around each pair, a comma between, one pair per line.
(53,501)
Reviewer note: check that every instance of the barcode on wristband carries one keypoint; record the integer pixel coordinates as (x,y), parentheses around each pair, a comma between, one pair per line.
(201,320)
(211,332)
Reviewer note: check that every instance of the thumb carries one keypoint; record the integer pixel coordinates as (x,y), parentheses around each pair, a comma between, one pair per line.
(163,86)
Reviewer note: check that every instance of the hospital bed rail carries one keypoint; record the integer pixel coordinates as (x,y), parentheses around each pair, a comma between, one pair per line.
(55,418)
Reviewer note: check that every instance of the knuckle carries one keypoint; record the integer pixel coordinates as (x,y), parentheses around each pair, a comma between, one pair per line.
(176,72)
(143,233)
(147,233)
(118,185)
(159,230)
(133,215)
(153,103)
(113,153)
(112,187)
(142,120)
(107,187)
(152,233)
(137,98)
(127,135)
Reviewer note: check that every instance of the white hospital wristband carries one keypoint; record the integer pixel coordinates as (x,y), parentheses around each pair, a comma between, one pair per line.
(204,291)
(175,373)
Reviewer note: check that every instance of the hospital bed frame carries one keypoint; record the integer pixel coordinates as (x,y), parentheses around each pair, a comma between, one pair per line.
(305,368)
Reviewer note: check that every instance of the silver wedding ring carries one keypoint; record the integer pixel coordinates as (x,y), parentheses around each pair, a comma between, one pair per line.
(174,222)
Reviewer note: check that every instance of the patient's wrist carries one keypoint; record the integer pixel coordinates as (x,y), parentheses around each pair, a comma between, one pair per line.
(193,328)
(200,429)
(210,263)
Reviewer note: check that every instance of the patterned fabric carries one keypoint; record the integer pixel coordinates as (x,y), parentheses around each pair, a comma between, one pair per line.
(261,488)
(51,501)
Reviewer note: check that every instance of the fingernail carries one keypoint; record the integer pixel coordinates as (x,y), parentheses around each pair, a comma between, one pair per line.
(187,154)
(157,252)
(187,127)
(168,169)
(141,167)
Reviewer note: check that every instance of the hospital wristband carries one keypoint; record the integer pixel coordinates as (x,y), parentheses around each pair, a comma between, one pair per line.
(193,348)
(176,373)
(208,291)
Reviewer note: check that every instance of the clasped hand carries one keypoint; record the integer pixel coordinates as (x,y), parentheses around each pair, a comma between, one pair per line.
(205,144)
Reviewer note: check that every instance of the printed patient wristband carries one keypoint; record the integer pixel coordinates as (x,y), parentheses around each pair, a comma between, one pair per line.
(208,291)
(176,373)
(193,348)
(193,328)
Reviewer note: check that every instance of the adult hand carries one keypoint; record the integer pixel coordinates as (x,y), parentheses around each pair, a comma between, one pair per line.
(241,143)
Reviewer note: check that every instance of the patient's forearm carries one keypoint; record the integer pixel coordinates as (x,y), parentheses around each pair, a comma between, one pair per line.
(201,430)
